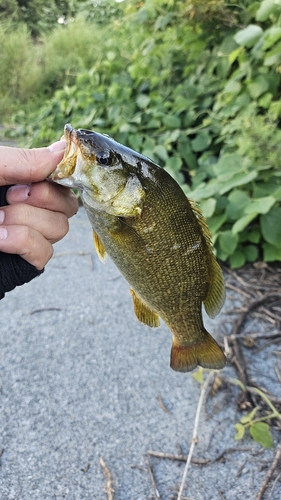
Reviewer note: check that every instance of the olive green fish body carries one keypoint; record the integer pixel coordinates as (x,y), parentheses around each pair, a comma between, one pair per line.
(162,246)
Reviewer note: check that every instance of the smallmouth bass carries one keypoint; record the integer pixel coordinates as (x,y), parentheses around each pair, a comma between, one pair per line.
(158,239)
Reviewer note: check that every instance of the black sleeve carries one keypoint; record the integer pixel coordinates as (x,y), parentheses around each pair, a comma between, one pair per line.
(14,270)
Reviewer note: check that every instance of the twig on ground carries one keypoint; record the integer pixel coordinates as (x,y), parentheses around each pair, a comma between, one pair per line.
(238,290)
(161,404)
(86,467)
(240,470)
(109,485)
(43,309)
(256,335)
(270,473)
(1,453)
(179,458)
(139,467)
(277,372)
(150,471)
(273,486)
(238,358)
(195,430)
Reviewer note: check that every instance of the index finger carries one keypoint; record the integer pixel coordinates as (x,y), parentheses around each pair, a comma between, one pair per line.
(18,165)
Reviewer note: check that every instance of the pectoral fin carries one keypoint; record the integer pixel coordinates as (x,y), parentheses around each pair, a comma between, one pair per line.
(101,251)
(143,312)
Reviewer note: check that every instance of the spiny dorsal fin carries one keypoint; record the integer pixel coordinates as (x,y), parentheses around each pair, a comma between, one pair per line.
(101,251)
(216,293)
(143,312)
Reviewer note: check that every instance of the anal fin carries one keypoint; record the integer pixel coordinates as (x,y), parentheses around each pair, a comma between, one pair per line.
(101,251)
(143,312)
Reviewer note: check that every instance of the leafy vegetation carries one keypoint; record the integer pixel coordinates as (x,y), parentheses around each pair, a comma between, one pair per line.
(194,85)
(258,426)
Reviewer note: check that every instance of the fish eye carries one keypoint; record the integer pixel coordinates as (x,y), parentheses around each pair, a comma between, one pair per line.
(105,159)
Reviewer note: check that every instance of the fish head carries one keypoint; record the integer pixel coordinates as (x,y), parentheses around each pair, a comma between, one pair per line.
(98,167)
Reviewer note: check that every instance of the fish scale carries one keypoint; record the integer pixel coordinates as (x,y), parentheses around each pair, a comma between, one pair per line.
(158,239)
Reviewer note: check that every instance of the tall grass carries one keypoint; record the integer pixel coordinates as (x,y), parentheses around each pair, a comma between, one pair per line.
(31,70)
(20,71)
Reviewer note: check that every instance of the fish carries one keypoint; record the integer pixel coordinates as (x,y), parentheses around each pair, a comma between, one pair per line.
(156,236)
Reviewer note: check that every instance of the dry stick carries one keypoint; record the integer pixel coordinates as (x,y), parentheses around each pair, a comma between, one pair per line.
(236,289)
(197,461)
(161,404)
(108,488)
(274,484)
(270,473)
(238,358)
(195,429)
(156,492)
(179,458)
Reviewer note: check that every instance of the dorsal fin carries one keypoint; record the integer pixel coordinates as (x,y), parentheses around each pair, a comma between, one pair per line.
(101,251)
(143,312)
(216,293)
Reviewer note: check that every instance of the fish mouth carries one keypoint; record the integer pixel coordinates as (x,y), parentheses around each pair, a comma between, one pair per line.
(67,165)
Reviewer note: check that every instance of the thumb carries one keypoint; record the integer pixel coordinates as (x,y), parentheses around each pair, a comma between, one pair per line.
(19,165)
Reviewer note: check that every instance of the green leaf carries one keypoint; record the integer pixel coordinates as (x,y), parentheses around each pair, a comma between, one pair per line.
(161,152)
(235,54)
(174,163)
(228,165)
(271,253)
(258,87)
(228,242)
(254,236)
(248,36)
(271,36)
(208,206)
(142,101)
(271,226)
(216,222)
(237,202)
(238,180)
(201,142)
(237,259)
(203,191)
(251,252)
(243,222)
(240,431)
(199,375)
(233,87)
(266,8)
(260,432)
(172,121)
(260,205)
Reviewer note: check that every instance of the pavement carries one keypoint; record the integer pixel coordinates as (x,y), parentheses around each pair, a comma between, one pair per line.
(81,378)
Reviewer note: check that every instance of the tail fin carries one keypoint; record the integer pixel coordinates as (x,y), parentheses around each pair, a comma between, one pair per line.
(207,354)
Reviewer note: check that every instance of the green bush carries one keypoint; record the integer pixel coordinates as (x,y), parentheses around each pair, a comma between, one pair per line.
(183,83)
(20,72)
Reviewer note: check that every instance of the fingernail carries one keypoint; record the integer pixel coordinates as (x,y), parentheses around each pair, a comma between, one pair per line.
(3,233)
(2,216)
(18,193)
(57,146)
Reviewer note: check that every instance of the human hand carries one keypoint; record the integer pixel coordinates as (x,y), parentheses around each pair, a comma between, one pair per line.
(38,210)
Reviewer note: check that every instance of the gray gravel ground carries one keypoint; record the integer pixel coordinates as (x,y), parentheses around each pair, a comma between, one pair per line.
(80,380)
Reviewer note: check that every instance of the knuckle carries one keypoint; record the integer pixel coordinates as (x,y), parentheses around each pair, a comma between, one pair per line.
(62,227)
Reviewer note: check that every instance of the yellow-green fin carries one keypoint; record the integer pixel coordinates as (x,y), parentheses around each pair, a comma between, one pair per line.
(216,293)
(207,354)
(143,312)
(101,251)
